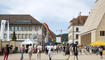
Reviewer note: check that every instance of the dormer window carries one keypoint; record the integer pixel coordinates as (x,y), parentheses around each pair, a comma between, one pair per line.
(23,21)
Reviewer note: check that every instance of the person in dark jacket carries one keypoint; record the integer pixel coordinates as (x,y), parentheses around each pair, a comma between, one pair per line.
(75,50)
(6,52)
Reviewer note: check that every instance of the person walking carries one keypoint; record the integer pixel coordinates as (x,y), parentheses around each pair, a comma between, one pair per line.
(39,50)
(50,52)
(67,52)
(75,50)
(22,49)
(101,52)
(6,51)
(30,51)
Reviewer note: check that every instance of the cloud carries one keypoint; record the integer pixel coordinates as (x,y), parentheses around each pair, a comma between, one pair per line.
(53,12)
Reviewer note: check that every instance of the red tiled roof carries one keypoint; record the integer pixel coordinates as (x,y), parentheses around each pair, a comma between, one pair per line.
(80,20)
(13,17)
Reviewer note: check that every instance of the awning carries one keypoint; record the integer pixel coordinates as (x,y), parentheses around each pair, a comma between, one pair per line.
(98,43)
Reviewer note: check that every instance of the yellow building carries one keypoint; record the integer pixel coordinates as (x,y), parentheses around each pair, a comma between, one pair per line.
(94,28)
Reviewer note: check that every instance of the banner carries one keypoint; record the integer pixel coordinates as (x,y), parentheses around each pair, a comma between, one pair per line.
(3,22)
(8,35)
(46,26)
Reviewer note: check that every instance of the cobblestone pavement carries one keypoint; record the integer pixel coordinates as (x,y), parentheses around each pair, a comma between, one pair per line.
(55,57)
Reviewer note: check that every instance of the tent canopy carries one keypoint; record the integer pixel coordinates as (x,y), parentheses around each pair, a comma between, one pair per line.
(98,43)
(29,41)
(70,41)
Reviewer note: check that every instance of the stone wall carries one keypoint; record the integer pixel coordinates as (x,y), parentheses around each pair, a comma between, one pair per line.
(101,27)
(86,39)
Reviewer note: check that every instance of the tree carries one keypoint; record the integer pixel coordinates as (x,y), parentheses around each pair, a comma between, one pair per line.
(14,36)
(64,37)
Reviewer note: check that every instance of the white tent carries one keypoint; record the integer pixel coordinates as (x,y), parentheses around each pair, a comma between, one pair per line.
(70,41)
(29,41)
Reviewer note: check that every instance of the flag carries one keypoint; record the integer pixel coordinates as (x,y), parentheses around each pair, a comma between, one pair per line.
(8,32)
(3,22)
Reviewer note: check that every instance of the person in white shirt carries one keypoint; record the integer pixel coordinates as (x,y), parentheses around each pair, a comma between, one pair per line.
(101,51)
(55,47)
(50,52)
(30,51)
(39,49)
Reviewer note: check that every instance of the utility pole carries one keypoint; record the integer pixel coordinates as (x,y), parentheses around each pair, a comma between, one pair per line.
(73,32)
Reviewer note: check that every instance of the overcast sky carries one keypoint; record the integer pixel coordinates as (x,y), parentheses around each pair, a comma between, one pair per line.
(56,13)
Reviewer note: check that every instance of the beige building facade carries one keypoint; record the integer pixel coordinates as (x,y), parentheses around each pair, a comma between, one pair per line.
(94,28)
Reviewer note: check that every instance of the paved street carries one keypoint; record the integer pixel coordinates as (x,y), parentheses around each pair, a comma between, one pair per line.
(55,57)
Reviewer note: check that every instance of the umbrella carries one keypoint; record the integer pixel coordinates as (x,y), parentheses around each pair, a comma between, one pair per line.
(29,41)
(98,43)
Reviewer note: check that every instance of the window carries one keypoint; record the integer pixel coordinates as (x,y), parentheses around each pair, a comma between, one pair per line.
(77,29)
(23,28)
(102,33)
(18,36)
(76,36)
(12,28)
(30,28)
(20,29)
(23,21)
(16,28)
(5,36)
(26,36)
(23,36)
(27,28)
(36,28)
(30,35)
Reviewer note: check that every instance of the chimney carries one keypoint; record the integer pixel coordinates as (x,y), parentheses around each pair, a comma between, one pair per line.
(79,14)
(97,0)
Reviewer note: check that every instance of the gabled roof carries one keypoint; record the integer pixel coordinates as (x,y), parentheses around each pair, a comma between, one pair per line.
(13,17)
(95,16)
(80,20)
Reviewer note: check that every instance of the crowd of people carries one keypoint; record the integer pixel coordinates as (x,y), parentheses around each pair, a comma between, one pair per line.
(67,50)
(50,49)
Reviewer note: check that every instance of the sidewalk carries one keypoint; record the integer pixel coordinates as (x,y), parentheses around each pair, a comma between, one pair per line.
(55,57)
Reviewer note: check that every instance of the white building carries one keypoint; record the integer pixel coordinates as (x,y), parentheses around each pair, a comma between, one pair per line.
(76,25)
(25,27)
